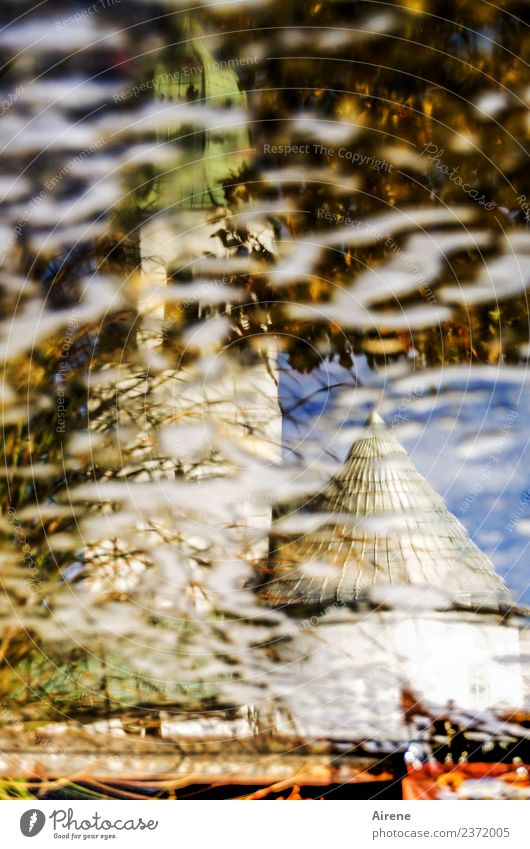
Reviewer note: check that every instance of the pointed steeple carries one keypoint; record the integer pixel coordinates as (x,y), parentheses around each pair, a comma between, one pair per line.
(381,523)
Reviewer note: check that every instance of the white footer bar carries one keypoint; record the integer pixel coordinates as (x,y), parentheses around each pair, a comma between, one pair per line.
(356,824)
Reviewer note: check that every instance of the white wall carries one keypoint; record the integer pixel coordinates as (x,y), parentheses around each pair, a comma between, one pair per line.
(345,680)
